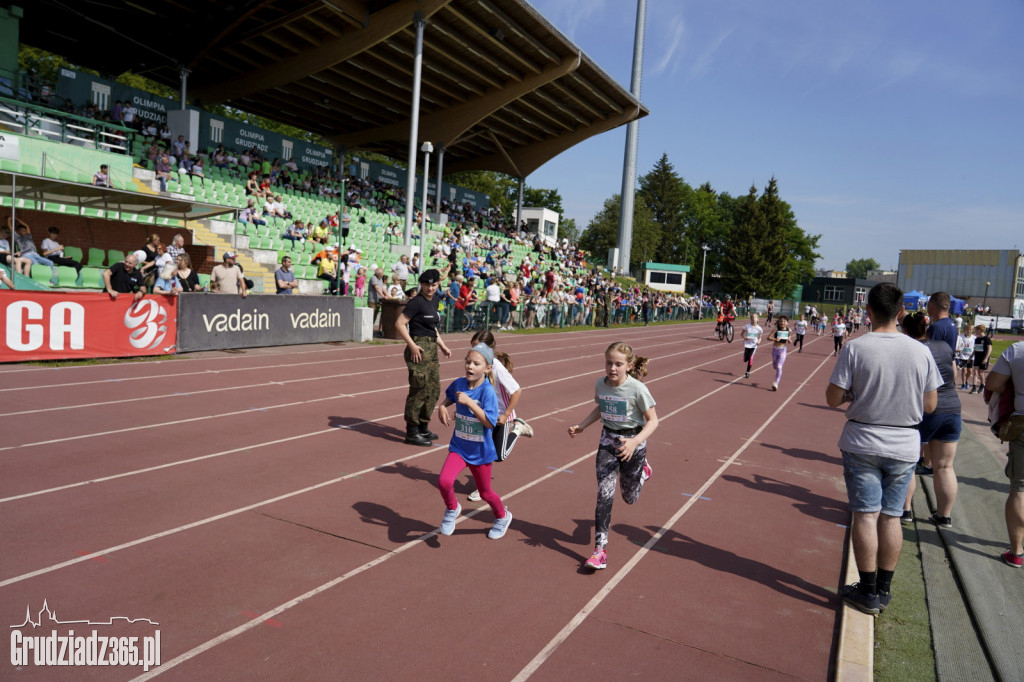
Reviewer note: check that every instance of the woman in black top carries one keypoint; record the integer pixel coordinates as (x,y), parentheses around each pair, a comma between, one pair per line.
(418,327)
(187,277)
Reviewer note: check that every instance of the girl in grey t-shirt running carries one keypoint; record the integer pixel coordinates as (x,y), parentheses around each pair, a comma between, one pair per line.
(626,410)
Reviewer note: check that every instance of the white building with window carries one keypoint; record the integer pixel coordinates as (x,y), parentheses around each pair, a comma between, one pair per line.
(542,221)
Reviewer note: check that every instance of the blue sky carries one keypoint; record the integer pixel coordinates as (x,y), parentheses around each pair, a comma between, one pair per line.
(889,125)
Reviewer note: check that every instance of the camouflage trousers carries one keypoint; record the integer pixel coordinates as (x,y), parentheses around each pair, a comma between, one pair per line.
(424,382)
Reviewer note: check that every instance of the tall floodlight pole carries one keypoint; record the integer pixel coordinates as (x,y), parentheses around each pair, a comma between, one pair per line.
(700,301)
(426,149)
(629,164)
(414,125)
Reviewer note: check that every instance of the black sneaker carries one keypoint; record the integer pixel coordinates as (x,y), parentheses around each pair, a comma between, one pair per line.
(746,375)
(865,603)
(942,521)
(922,470)
(908,518)
(883,600)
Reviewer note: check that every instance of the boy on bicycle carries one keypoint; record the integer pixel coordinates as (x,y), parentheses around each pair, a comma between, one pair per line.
(727,312)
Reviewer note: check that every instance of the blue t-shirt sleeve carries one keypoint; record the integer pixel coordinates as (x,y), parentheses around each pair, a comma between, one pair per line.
(489,402)
(451,392)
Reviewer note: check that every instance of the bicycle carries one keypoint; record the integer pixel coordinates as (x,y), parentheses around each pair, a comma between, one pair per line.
(477,318)
(725,331)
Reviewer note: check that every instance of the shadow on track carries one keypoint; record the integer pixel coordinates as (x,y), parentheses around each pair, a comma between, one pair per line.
(400,528)
(370,428)
(683,547)
(812,504)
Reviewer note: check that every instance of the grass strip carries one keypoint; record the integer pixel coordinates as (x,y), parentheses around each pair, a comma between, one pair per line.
(903,634)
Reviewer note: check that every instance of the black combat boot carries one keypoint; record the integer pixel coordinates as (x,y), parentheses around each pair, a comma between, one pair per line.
(424,431)
(414,437)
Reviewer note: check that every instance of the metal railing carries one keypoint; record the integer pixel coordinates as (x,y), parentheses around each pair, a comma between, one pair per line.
(58,126)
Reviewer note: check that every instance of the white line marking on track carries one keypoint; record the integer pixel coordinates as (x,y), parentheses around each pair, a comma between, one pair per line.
(191,460)
(255,622)
(603,593)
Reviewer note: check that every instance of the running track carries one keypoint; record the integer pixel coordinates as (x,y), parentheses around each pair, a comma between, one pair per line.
(262,509)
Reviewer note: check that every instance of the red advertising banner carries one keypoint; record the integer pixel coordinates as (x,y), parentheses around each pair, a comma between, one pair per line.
(44,325)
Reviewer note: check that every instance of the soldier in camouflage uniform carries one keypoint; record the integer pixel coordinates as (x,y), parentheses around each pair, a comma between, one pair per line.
(418,327)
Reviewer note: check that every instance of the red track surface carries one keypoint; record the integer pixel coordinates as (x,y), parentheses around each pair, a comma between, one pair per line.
(262,509)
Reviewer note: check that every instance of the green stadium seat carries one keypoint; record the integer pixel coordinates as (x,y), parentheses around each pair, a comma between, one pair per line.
(114,256)
(73,252)
(96,257)
(43,274)
(92,278)
(67,277)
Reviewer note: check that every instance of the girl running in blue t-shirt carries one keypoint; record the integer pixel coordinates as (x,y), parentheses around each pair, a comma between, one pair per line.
(626,410)
(472,444)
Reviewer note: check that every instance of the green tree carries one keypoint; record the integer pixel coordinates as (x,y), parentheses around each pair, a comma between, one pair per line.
(567,228)
(602,233)
(706,224)
(666,194)
(859,267)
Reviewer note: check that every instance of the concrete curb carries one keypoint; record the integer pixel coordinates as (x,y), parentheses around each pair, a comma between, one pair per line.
(855,659)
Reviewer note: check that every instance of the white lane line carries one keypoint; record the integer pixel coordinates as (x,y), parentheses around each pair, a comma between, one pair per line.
(389,349)
(180,394)
(607,589)
(309,435)
(255,622)
(250,409)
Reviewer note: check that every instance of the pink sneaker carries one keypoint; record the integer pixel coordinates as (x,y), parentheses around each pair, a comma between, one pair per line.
(647,472)
(597,560)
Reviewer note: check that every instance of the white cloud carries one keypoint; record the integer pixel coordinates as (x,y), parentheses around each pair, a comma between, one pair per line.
(703,61)
(675,29)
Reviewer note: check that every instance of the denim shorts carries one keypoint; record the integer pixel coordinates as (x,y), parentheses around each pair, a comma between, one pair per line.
(944,428)
(876,483)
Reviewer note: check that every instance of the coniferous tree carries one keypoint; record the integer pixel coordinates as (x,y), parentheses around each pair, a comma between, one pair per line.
(665,194)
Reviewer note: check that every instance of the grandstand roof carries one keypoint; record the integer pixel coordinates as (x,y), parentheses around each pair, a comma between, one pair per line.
(502,89)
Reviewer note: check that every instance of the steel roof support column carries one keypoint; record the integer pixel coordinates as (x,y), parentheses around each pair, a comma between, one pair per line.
(414,125)
(440,174)
(629,163)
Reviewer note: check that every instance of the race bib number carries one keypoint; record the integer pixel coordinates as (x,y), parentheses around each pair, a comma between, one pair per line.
(469,428)
(979,348)
(752,334)
(782,334)
(801,327)
(613,408)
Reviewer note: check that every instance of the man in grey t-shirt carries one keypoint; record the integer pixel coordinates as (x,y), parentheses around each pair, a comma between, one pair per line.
(1010,365)
(890,381)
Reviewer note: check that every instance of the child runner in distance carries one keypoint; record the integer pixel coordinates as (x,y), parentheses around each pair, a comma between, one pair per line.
(801,330)
(780,341)
(982,352)
(508,427)
(965,356)
(472,445)
(838,333)
(752,332)
(626,410)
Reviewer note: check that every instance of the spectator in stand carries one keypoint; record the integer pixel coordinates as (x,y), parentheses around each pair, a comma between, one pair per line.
(248,214)
(196,171)
(178,147)
(129,115)
(245,160)
(321,232)
(296,232)
(252,185)
(401,270)
(220,158)
(167,281)
(5,280)
(284,277)
(54,250)
(228,277)
(163,171)
(187,277)
(102,177)
(124,278)
(115,112)
(376,294)
(22,266)
(327,270)
(26,248)
(177,247)
(280,210)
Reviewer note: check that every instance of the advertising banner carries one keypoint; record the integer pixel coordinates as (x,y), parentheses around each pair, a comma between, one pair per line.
(222,321)
(43,325)
(374,171)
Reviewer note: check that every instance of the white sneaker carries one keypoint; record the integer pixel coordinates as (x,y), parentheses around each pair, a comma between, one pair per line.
(475,496)
(448,522)
(522,428)
(500,526)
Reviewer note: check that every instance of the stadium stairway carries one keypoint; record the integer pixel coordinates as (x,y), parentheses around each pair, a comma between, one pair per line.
(218,234)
